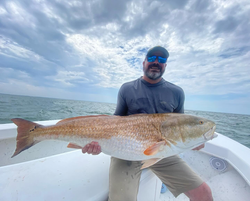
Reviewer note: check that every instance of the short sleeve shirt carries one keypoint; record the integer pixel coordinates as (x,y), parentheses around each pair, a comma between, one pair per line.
(139,96)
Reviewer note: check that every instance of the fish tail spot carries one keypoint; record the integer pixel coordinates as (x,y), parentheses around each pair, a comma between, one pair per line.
(25,136)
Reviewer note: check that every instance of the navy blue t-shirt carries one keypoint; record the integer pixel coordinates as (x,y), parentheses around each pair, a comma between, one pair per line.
(139,96)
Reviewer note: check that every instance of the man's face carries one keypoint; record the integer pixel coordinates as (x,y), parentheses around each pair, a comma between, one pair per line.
(154,70)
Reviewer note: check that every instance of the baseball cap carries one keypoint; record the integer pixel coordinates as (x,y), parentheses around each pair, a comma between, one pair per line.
(158,49)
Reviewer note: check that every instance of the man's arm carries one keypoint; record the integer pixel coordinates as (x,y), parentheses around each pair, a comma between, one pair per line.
(180,108)
(121,106)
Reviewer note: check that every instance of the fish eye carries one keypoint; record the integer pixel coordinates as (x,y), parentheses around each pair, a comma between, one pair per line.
(201,122)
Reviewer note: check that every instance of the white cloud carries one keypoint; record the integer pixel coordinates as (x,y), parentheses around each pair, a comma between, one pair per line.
(69,78)
(9,72)
(23,88)
(12,49)
(99,45)
(107,61)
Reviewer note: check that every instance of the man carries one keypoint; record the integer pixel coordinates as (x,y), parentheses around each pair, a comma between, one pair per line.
(152,94)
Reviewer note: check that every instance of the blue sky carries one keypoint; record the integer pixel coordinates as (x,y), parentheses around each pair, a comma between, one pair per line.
(86,50)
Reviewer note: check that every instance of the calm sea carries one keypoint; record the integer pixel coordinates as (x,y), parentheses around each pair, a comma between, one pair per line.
(235,126)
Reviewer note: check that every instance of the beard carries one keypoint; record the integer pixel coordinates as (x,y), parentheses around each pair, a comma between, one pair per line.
(153,75)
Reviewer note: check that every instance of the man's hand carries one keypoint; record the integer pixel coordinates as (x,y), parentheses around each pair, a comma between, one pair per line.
(92,148)
(199,147)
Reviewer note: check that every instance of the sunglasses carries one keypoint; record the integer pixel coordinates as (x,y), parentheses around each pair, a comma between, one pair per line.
(160,59)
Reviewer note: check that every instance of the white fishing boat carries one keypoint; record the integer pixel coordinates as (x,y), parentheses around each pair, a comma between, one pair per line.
(51,171)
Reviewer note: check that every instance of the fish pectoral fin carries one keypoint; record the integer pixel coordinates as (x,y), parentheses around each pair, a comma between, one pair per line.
(74,146)
(149,162)
(155,148)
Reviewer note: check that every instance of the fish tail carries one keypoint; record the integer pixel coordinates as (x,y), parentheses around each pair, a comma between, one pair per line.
(25,135)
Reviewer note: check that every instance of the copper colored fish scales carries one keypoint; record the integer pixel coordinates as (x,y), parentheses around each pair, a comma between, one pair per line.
(136,137)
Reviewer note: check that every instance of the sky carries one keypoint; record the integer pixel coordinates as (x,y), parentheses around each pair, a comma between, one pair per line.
(85,50)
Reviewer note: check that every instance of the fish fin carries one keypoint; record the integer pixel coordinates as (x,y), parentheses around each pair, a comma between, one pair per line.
(74,146)
(25,136)
(79,117)
(149,162)
(154,149)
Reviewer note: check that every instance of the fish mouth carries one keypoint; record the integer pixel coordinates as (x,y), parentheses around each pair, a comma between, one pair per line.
(209,135)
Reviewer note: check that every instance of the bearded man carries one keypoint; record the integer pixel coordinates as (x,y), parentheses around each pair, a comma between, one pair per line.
(152,94)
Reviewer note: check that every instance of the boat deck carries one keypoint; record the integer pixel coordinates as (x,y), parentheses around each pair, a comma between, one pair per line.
(23,181)
(226,185)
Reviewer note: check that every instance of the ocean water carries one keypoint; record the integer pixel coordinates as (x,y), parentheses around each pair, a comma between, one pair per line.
(235,126)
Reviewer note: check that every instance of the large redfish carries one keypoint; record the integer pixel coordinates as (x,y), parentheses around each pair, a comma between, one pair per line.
(136,137)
